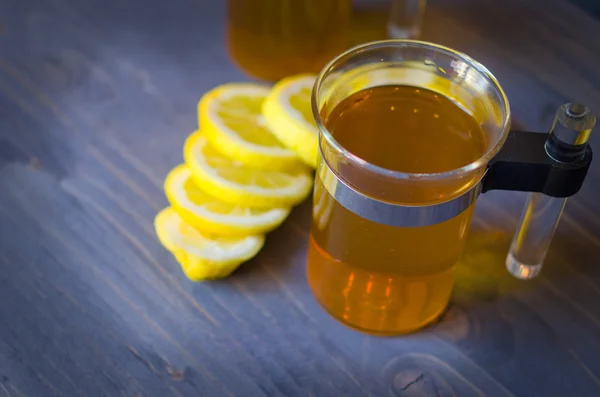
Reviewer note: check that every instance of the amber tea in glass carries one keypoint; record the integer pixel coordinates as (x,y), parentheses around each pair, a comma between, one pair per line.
(272,39)
(406,131)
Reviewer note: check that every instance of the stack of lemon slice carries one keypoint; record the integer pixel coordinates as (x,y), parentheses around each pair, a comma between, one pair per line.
(244,169)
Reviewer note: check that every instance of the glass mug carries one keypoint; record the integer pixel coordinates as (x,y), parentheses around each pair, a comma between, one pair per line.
(410,133)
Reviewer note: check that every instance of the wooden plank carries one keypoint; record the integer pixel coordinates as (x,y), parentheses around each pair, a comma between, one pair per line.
(96,98)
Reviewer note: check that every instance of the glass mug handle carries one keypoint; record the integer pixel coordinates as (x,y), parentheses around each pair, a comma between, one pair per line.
(552,167)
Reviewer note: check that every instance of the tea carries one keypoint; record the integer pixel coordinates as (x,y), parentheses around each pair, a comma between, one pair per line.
(271,39)
(380,278)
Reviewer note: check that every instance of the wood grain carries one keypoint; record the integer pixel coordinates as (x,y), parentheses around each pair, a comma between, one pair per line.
(96,99)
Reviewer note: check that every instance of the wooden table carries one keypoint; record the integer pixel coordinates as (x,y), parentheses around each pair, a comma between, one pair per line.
(96,98)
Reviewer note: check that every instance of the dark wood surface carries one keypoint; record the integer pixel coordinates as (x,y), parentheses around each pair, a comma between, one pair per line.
(96,98)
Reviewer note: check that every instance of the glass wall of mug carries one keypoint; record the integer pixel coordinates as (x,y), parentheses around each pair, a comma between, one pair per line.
(406,131)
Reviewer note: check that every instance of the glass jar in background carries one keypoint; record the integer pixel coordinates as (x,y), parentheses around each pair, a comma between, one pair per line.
(405,19)
(271,39)
(374,20)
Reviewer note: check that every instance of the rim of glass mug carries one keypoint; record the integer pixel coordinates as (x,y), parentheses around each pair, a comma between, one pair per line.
(492,148)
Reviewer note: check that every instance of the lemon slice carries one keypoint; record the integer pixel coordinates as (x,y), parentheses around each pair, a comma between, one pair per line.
(230,116)
(288,114)
(214,216)
(202,257)
(230,181)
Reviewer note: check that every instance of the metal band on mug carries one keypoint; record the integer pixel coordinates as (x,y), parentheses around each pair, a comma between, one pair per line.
(394,214)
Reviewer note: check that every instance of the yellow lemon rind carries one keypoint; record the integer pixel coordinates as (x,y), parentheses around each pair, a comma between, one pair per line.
(229,143)
(290,128)
(233,193)
(218,224)
(197,267)
(199,270)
